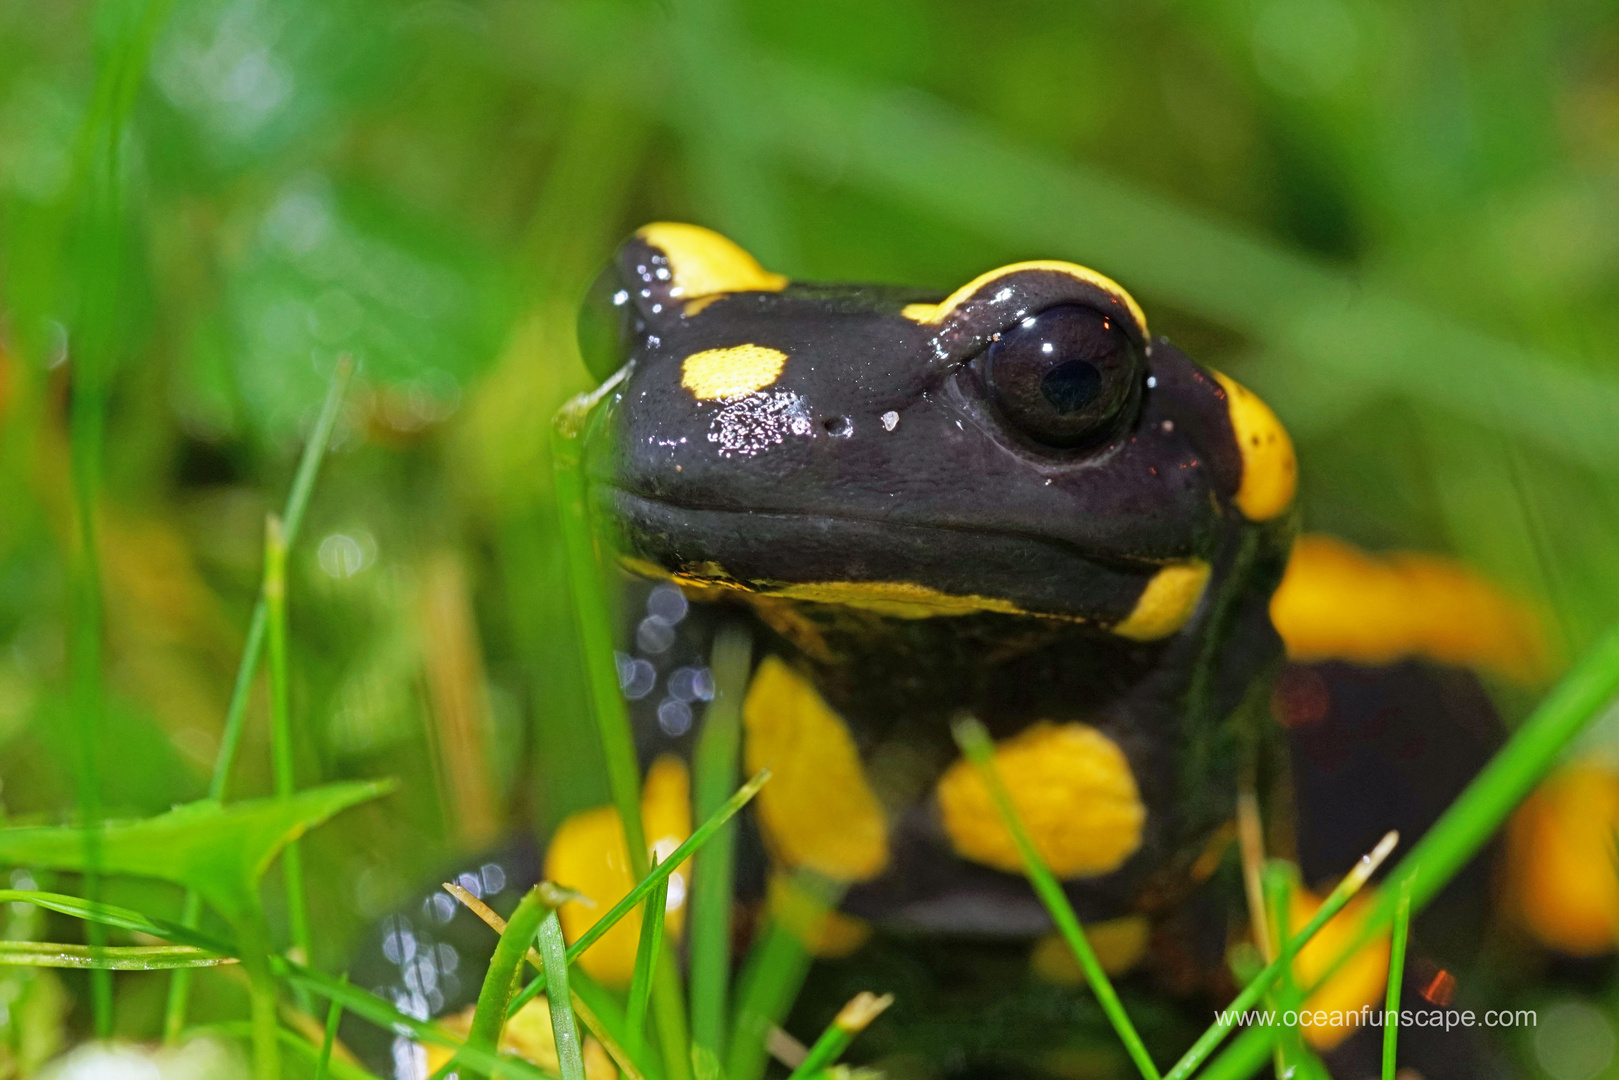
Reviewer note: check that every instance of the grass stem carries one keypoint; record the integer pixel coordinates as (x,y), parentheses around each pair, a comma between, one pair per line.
(1391,1006)
(646,959)
(975,744)
(851,1020)
(282,763)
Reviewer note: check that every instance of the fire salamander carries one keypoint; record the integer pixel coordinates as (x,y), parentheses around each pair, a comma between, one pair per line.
(1012,501)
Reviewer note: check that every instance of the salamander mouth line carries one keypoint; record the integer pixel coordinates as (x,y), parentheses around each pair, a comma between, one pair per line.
(1125,564)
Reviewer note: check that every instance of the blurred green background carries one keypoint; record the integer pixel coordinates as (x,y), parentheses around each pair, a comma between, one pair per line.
(1398,223)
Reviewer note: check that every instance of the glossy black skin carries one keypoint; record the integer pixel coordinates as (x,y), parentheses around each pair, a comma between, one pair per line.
(956,499)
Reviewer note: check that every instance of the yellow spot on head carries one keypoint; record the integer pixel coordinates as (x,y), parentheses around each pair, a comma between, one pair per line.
(818,811)
(1118,943)
(1338,603)
(705,263)
(1361,981)
(1167,602)
(714,374)
(1270,472)
(825,932)
(588,853)
(1559,857)
(936,313)
(1074,790)
(530,1036)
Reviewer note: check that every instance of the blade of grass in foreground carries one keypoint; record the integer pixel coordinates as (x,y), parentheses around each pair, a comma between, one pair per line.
(554,951)
(281,757)
(108,957)
(693,843)
(489,1016)
(975,744)
(851,1020)
(1391,1006)
(334,1014)
(303,486)
(715,760)
(771,976)
(1472,819)
(646,958)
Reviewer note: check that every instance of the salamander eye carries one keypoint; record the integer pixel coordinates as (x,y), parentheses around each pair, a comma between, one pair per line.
(1066,377)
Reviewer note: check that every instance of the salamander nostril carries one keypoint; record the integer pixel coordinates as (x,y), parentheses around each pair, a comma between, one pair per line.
(839,427)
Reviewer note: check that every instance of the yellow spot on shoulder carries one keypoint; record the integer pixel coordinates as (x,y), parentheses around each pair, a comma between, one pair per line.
(1074,790)
(529,1035)
(936,313)
(824,931)
(714,374)
(1338,603)
(818,811)
(1167,602)
(1119,944)
(1560,881)
(901,599)
(1361,981)
(705,263)
(1270,471)
(588,853)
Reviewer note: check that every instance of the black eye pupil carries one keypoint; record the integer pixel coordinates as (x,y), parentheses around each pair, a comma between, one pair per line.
(1071,386)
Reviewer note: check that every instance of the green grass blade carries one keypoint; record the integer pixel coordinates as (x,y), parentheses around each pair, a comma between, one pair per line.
(1346,889)
(1391,1006)
(334,1014)
(770,980)
(108,957)
(118,918)
(275,596)
(595,620)
(489,1016)
(975,744)
(303,486)
(554,951)
(1293,1058)
(851,1020)
(716,764)
(646,959)
(1472,819)
(693,843)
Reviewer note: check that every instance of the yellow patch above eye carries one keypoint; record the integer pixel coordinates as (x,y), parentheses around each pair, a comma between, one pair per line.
(818,811)
(1270,472)
(714,374)
(1167,602)
(588,853)
(704,263)
(935,313)
(899,599)
(1073,788)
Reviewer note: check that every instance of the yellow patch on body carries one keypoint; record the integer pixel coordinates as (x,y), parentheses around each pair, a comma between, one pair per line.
(1336,602)
(824,931)
(588,853)
(1270,471)
(705,263)
(1074,790)
(901,599)
(1119,945)
(1362,980)
(1559,876)
(1169,599)
(716,374)
(936,313)
(818,811)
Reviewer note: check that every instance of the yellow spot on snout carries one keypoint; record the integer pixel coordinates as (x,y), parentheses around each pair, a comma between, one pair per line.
(714,374)
(1073,788)
(818,811)
(1167,602)
(1270,471)
(588,853)
(705,263)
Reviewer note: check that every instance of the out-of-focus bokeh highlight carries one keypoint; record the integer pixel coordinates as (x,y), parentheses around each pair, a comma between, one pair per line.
(1398,223)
